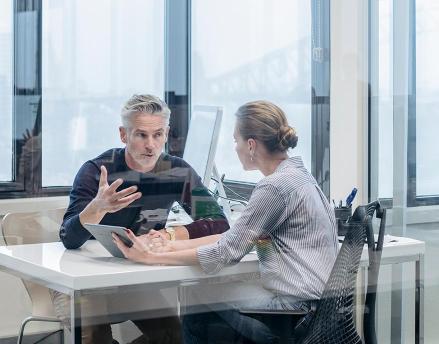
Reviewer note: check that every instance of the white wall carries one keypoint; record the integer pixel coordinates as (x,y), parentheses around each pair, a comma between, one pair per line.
(32,204)
(348,99)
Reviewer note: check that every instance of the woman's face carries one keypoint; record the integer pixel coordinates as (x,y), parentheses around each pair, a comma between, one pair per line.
(242,148)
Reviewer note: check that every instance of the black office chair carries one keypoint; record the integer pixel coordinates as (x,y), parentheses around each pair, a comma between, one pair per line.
(332,320)
(363,215)
(375,251)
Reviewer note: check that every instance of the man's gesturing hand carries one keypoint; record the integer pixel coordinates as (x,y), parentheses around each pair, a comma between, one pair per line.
(108,200)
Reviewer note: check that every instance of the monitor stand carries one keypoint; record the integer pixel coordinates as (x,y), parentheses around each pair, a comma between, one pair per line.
(223,202)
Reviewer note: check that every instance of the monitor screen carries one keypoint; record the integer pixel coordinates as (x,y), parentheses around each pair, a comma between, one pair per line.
(202,140)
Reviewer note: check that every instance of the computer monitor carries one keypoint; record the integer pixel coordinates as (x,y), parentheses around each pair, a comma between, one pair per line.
(202,140)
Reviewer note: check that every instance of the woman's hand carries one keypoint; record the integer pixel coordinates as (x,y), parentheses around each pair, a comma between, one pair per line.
(141,251)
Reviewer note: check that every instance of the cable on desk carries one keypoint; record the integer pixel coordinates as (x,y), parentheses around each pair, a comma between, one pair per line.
(231,190)
(228,199)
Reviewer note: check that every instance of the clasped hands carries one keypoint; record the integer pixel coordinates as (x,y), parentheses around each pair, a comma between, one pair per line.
(145,247)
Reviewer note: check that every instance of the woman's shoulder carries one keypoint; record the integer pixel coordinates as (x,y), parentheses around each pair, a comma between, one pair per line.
(287,180)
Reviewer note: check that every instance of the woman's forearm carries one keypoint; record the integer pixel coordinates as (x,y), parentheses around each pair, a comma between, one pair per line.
(183,257)
(180,245)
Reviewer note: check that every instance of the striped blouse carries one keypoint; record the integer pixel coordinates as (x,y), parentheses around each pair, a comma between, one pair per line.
(292,225)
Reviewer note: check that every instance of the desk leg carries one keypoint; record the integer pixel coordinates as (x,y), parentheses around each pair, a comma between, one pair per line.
(419,301)
(75,317)
(396,305)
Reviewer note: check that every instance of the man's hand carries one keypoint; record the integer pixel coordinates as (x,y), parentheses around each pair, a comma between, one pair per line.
(181,233)
(108,200)
(157,241)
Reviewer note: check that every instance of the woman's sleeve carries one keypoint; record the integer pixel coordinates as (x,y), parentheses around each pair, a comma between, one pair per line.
(265,211)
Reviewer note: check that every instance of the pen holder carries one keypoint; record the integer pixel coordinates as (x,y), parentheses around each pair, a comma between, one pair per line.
(342,214)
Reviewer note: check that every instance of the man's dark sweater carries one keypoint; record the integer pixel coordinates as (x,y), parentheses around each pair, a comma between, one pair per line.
(208,218)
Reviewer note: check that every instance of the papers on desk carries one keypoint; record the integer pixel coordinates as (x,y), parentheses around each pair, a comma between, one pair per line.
(179,218)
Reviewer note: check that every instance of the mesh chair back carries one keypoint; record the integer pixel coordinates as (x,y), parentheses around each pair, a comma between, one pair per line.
(333,322)
(375,250)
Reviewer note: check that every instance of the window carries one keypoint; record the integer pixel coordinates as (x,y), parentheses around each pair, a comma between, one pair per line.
(421,97)
(95,55)
(427,103)
(249,50)
(382,97)
(76,63)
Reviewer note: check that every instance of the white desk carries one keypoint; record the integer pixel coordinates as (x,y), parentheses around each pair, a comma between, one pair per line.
(92,268)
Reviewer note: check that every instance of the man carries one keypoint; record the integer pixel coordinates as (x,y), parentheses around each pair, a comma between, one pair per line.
(106,191)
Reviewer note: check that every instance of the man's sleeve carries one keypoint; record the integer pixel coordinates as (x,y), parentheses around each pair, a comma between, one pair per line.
(84,189)
(208,216)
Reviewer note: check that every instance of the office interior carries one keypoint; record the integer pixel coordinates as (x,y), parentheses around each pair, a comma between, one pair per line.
(355,78)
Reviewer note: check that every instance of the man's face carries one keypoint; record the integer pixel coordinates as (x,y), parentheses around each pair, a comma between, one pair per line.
(144,140)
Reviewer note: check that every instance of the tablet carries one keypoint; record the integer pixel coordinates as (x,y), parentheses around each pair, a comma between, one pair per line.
(102,233)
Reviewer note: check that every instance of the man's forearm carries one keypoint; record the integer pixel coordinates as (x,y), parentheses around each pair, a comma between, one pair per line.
(91,214)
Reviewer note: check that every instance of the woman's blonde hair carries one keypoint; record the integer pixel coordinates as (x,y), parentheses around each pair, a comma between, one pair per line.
(266,122)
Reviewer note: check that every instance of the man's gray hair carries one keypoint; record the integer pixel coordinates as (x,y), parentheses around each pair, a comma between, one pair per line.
(144,104)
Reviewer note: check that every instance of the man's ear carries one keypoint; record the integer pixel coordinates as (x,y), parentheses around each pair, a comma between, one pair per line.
(123,134)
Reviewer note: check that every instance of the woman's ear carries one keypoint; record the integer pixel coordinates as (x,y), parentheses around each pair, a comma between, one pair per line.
(251,145)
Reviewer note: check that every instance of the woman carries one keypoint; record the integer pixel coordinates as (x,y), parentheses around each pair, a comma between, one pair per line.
(288,219)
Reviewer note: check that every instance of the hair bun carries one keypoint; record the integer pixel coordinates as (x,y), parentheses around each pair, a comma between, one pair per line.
(287,138)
